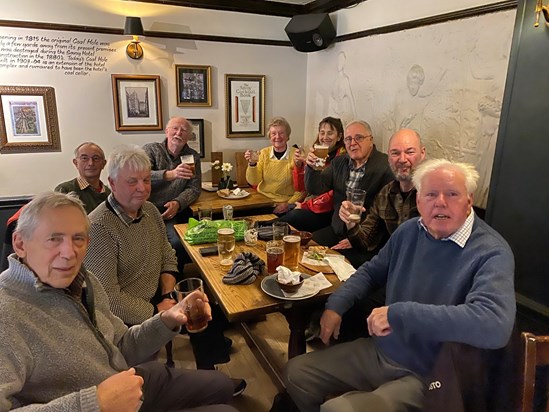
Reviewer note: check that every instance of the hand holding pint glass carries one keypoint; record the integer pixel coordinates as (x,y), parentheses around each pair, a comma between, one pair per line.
(188,160)
(252,156)
(321,153)
(355,202)
(190,295)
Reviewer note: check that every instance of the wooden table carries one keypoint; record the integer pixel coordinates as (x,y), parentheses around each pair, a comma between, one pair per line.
(244,302)
(211,199)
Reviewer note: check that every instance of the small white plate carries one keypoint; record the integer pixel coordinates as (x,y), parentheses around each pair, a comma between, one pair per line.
(208,187)
(271,288)
(242,195)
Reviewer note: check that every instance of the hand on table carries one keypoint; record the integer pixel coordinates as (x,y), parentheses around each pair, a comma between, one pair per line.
(343,244)
(281,208)
(120,392)
(172,207)
(329,325)
(378,322)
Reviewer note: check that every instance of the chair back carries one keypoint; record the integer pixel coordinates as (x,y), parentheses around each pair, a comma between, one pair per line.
(536,353)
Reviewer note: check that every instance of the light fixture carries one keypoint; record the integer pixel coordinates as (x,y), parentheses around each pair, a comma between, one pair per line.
(540,8)
(134,28)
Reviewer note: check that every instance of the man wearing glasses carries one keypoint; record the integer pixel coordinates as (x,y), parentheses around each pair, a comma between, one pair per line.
(89,160)
(362,167)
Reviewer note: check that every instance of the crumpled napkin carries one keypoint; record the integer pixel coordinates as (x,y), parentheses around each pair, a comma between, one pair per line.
(287,276)
(237,192)
(342,269)
(310,286)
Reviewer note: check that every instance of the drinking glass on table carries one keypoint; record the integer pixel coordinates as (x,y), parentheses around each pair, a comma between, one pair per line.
(280,229)
(225,246)
(192,289)
(275,255)
(250,234)
(189,161)
(227,212)
(292,245)
(205,213)
(356,198)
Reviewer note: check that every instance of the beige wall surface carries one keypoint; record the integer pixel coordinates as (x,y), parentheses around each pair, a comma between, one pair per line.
(293,79)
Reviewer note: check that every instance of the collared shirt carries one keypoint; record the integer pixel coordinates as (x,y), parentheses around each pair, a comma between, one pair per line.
(117,208)
(285,156)
(83,183)
(460,236)
(355,175)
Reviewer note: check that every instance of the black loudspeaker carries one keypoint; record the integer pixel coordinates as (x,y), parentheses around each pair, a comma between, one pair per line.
(310,32)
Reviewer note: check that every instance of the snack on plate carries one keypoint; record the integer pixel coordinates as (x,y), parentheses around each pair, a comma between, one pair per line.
(224,192)
(317,252)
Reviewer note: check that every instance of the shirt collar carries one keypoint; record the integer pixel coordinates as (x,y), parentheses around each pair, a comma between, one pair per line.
(285,156)
(83,183)
(460,236)
(119,211)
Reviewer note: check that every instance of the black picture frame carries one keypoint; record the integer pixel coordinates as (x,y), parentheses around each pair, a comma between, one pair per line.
(196,142)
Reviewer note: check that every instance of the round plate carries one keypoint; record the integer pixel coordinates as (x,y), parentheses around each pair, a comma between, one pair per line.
(233,196)
(271,288)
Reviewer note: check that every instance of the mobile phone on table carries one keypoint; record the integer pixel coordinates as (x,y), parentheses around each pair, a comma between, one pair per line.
(208,251)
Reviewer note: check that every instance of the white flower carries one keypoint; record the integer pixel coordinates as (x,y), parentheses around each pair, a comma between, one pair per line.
(225,168)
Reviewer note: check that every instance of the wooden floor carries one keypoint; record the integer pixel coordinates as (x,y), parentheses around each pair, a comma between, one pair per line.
(260,392)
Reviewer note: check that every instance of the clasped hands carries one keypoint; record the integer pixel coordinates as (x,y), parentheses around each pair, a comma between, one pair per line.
(378,324)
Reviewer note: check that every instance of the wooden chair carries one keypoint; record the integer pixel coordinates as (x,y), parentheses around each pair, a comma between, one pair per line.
(536,353)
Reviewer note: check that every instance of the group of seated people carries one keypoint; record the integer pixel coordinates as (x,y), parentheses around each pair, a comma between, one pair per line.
(85,303)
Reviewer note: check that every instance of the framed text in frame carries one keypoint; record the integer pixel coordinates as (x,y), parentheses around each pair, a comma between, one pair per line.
(245,105)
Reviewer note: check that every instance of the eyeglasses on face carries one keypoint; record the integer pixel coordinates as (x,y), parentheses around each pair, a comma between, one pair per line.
(358,138)
(86,158)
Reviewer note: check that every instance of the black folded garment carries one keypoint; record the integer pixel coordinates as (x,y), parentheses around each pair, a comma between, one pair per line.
(265,233)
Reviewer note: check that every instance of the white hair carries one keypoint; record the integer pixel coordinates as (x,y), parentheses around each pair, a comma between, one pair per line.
(428,166)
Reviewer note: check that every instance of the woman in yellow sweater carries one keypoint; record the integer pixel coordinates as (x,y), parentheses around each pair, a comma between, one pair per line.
(271,168)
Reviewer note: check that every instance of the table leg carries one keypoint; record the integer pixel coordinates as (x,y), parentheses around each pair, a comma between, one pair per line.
(297,322)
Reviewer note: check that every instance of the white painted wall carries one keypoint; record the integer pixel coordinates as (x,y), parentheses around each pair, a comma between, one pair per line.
(85,103)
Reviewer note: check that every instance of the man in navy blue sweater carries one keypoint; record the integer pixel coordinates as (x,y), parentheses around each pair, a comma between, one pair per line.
(449,278)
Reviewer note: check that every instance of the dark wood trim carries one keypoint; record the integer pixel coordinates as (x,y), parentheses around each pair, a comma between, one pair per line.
(441,18)
(161,34)
(329,6)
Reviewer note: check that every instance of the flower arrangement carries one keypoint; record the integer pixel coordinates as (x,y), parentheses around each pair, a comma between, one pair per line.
(225,168)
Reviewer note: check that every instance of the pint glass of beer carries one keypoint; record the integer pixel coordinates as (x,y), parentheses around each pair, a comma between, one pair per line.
(292,245)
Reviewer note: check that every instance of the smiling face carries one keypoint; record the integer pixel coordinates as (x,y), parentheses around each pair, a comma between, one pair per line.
(279,138)
(358,143)
(89,161)
(327,135)
(178,132)
(444,202)
(405,153)
(57,247)
(131,189)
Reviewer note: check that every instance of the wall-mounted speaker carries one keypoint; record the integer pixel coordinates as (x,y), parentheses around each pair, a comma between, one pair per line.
(310,32)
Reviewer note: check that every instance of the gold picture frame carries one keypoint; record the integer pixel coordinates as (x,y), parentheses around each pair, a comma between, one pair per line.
(245,105)
(193,85)
(137,103)
(28,120)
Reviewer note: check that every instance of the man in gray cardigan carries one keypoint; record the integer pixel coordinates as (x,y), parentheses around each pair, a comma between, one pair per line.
(60,346)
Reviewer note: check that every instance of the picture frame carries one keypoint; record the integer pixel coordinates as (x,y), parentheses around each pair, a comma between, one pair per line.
(137,103)
(245,105)
(193,85)
(28,120)
(196,142)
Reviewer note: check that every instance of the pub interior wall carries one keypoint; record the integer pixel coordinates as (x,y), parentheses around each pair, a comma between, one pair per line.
(84,103)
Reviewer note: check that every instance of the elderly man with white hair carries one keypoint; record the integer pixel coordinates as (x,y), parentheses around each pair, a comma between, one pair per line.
(449,278)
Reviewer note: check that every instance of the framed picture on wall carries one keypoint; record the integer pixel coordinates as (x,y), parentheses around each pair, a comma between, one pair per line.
(196,141)
(137,104)
(245,105)
(193,85)
(28,120)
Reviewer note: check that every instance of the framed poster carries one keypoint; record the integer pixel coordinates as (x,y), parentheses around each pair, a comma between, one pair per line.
(137,104)
(245,105)
(196,141)
(193,85)
(28,120)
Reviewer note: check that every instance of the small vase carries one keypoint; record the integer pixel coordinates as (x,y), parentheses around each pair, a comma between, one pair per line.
(225,183)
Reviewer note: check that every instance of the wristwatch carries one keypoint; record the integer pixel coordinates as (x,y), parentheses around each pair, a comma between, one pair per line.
(166,296)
